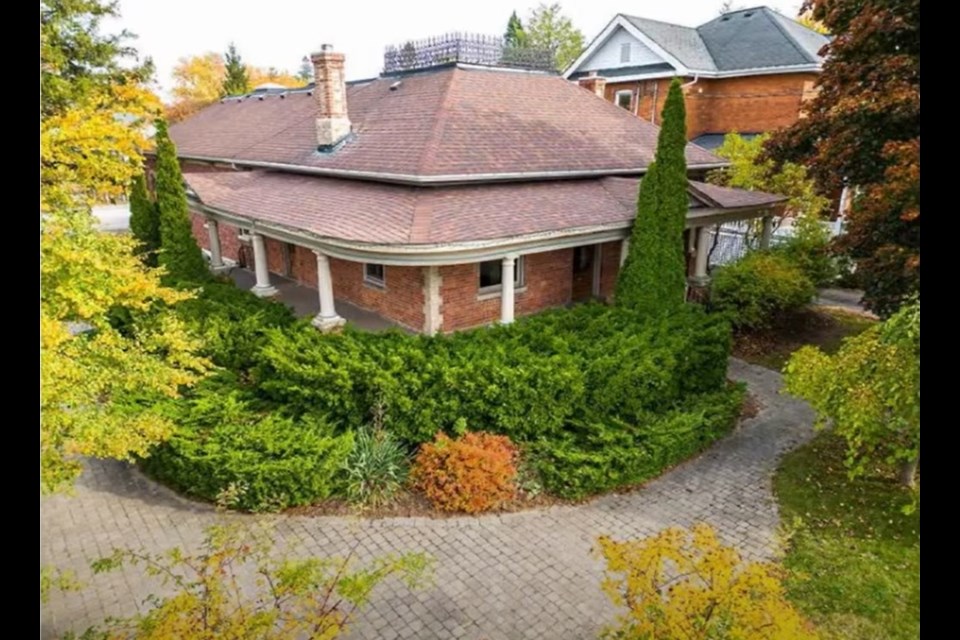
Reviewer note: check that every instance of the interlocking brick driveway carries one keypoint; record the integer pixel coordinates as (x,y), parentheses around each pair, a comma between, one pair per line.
(524,575)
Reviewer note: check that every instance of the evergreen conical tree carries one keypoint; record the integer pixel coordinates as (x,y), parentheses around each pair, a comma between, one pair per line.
(514,35)
(144,221)
(179,252)
(236,81)
(653,277)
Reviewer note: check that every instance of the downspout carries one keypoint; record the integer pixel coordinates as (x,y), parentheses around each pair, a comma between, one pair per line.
(696,78)
(653,107)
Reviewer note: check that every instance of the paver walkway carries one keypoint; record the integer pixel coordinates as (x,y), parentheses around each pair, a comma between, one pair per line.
(523,575)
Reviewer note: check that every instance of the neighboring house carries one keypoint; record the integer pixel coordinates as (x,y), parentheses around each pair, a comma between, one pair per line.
(747,71)
(441,199)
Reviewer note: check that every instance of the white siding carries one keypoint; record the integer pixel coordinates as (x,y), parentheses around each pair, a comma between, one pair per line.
(608,56)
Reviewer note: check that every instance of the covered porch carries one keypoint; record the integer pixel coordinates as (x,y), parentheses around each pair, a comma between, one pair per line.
(306,304)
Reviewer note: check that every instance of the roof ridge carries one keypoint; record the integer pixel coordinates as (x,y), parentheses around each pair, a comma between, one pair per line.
(775,19)
(670,24)
(436,134)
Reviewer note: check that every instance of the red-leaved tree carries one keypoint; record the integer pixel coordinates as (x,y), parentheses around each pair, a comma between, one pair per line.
(862,130)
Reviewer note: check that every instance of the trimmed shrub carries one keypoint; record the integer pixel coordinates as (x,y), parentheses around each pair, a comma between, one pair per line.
(271,461)
(809,249)
(476,472)
(377,467)
(759,289)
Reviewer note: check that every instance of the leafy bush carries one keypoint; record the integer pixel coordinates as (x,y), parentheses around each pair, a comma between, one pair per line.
(232,323)
(809,249)
(376,468)
(759,289)
(476,472)
(712,592)
(275,461)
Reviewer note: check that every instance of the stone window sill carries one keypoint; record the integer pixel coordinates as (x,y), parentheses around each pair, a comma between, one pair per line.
(491,295)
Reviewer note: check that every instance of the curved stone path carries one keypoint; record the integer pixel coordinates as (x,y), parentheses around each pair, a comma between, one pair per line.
(522,575)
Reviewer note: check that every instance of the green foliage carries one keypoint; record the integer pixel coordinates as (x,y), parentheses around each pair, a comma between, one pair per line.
(869,391)
(853,555)
(232,323)
(809,249)
(760,289)
(288,599)
(653,278)
(550,30)
(179,252)
(514,36)
(376,468)
(222,441)
(236,81)
(144,220)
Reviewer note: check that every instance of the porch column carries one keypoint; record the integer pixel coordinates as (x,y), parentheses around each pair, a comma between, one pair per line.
(624,250)
(216,256)
(701,255)
(327,319)
(263,288)
(597,267)
(766,232)
(507,289)
(432,301)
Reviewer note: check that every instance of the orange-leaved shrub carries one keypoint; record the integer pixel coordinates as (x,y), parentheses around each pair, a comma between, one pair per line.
(476,472)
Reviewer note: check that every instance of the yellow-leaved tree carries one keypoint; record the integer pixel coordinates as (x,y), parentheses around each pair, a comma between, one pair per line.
(110,342)
(680,585)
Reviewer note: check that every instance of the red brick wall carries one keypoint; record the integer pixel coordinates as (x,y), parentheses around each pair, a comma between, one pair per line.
(229,236)
(750,104)
(548,284)
(609,269)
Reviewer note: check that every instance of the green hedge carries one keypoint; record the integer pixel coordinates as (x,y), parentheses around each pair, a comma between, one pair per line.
(599,397)
(273,461)
(760,289)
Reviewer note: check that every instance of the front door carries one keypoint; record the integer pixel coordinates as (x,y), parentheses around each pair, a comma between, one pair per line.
(583,258)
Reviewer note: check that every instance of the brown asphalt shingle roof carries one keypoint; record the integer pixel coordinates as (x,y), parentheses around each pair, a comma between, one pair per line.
(451,121)
(393,214)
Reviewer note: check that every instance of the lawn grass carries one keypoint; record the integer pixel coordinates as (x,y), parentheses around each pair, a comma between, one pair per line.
(854,558)
(825,327)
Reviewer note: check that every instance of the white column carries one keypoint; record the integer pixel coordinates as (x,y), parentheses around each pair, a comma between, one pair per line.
(432,301)
(327,319)
(766,232)
(597,267)
(263,288)
(624,250)
(701,255)
(216,255)
(507,289)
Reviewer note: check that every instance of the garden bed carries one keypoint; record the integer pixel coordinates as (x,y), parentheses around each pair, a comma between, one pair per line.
(596,398)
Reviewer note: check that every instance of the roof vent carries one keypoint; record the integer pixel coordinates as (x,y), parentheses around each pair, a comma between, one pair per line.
(260,98)
(396,85)
(747,15)
(724,18)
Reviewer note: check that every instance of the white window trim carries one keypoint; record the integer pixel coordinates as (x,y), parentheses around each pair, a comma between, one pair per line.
(519,281)
(625,47)
(616,98)
(373,281)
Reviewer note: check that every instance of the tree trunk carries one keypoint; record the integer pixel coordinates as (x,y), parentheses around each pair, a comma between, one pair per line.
(908,472)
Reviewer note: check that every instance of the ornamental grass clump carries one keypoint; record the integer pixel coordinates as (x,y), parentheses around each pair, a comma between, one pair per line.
(377,467)
(476,472)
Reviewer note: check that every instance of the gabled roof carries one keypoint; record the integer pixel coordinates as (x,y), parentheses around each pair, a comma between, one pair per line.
(465,124)
(335,209)
(737,41)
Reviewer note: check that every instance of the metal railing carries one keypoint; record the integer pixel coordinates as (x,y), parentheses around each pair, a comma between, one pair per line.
(467,48)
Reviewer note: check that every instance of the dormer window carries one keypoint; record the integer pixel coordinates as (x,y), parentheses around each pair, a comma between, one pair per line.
(625,52)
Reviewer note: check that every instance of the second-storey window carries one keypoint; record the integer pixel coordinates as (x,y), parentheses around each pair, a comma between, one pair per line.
(625,99)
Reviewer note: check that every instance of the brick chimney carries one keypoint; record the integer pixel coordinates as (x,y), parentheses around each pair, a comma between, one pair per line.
(330,92)
(593,82)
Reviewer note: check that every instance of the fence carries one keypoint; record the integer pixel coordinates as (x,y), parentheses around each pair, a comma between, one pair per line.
(467,48)
(733,240)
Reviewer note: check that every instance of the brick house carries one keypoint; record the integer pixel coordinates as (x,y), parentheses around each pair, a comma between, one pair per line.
(747,71)
(440,199)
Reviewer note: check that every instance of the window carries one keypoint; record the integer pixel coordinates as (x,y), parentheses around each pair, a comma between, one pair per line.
(625,52)
(625,99)
(374,274)
(491,275)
